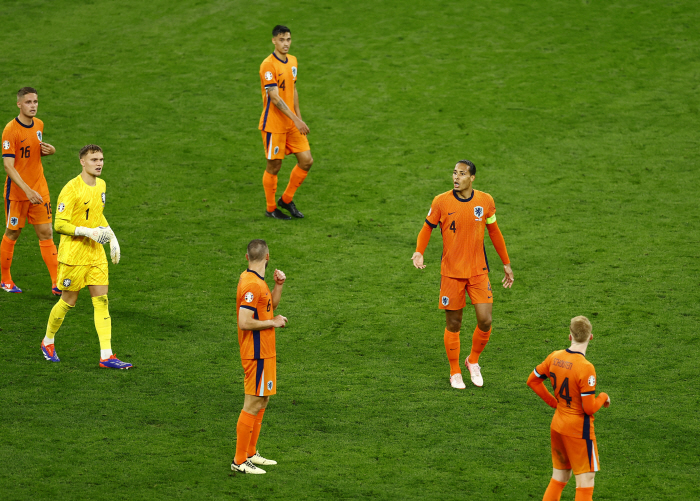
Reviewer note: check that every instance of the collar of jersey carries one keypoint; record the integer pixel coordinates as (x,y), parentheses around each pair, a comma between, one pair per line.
(25,126)
(454,192)
(576,352)
(251,271)
(283,62)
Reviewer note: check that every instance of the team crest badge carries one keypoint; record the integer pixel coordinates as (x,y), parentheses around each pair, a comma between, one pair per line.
(478,211)
(268,75)
(39,135)
(66,282)
(277,150)
(294,71)
(14,221)
(248,297)
(445,300)
(61,207)
(591,380)
(269,385)
(5,145)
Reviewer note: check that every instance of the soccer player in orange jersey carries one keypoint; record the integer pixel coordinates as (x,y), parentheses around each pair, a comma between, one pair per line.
(463,214)
(283,130)
(255,309)
(26,194)
(573,440)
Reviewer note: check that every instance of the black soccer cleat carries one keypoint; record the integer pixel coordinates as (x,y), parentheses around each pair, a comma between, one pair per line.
(290,207)
(277,214)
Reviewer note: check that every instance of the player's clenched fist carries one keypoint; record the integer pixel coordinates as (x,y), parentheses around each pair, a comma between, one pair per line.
(279,277)
(279,321)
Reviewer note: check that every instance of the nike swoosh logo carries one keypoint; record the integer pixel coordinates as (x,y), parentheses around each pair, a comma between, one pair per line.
(86,202)
(450,213)
(23,140)
(280,74)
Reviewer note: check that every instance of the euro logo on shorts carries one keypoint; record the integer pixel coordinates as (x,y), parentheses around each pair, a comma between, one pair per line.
(445,300)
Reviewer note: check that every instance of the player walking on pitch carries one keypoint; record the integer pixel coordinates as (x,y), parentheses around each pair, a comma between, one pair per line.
(283,130)
(81,257)
(255,306)
(463,214)
(573,439)
(26,194)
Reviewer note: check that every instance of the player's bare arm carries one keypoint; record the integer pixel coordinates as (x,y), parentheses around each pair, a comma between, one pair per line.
(47,149)
(33,196)
(418,260)
(274,96)
(247,323)
(279,278)
(296,103)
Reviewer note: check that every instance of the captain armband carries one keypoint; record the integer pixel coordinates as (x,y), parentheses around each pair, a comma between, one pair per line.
(491,220)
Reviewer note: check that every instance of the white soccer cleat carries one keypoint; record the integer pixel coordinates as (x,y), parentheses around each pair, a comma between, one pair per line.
(475,372)
(457,382)
(247,467)
(258,459)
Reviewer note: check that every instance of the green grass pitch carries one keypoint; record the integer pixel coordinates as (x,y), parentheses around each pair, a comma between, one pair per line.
(582,119)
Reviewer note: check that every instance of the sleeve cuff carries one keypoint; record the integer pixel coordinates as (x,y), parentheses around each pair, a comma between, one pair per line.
(271,85)
(248,307)
(433,226)
(8,155)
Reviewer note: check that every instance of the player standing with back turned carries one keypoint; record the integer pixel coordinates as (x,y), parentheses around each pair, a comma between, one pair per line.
(573,440)
(463,214)
(283,130)
(26,193)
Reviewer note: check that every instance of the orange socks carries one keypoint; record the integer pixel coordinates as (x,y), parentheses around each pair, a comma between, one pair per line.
(479,340)
(452,349)
(554,490)
(244,431)
(584,494)
(50,255)
(7,250)
(253,447)
(295,179)
(270,187)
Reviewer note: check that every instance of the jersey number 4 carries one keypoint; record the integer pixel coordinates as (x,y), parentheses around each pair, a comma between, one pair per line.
(453,227)
(281,85)
(563,389)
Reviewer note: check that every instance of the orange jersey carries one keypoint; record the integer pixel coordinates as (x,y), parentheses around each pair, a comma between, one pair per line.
(462,224)
(572,377)
(254,294)
(281,74)
(22,142)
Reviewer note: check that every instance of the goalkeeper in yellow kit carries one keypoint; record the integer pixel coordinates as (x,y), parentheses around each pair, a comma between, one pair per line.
(81,257)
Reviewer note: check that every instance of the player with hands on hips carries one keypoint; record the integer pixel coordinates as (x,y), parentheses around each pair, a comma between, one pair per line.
(463,215)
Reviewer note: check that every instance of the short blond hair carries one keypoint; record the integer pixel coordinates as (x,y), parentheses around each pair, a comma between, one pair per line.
(580,329)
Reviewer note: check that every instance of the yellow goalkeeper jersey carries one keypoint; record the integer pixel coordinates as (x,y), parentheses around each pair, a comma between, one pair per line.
(81,205)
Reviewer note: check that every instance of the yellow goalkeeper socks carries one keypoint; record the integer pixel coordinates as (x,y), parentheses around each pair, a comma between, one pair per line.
(58,313)
(103,325)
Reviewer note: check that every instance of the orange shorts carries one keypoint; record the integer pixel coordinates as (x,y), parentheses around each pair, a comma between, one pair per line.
(260,376)
(18,211)
(577,454)
(452,291)
(277,145)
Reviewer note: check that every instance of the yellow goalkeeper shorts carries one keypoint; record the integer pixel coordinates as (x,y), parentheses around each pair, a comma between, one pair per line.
(74,278)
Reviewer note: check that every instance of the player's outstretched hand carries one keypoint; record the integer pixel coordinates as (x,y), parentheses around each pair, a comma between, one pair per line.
(101,234)
(509,278)
(47,149)
(279,321)
(607,402)
(114,250)
(279,277)
(418,260)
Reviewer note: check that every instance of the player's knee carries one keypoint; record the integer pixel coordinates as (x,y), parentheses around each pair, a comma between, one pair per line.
(484,324)
(44,233)
(306,165)
(12,234)
(273,166)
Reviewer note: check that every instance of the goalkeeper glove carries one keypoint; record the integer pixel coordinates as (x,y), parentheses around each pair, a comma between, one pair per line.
(101,235)
(114,249)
